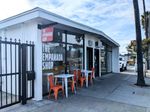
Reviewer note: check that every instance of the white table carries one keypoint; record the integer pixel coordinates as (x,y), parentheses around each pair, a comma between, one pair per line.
(49,73)
(65,77)
(86,73)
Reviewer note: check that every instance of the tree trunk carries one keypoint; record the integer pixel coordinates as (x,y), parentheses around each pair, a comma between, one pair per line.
(140,77)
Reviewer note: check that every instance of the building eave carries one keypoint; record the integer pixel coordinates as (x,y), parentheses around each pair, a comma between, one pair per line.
(38,12)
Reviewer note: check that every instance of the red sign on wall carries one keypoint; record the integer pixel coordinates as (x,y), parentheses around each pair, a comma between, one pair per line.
(47,34)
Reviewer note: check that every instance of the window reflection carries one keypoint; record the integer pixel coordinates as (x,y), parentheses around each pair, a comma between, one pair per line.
(59,36)
(74,57)
(54,57)
(62,55)
(74,39)
(106,59)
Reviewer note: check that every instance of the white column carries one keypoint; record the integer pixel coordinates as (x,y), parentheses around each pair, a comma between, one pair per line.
(115,59)
(85,54)
(38,67)
(93,55)
(99,62)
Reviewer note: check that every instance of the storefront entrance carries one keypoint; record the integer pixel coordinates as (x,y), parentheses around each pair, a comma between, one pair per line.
(89,58)
(96,62)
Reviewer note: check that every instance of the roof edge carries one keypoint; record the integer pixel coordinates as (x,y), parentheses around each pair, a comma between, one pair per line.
(20,14)
(61,17)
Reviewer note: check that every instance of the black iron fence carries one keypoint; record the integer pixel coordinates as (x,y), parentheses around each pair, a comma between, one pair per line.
(16,72)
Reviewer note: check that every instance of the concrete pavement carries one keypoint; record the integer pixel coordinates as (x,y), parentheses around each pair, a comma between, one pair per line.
(111,93)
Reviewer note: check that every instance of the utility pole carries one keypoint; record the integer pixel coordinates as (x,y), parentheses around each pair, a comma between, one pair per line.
(140,77)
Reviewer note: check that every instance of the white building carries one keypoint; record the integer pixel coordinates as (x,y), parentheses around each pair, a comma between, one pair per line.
(72,44)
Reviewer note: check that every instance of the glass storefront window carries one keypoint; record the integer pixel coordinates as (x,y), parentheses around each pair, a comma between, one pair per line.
(54,57)
(59,36)
(74,57)
(62,55)
(65,47)
(74,39)
(106,59)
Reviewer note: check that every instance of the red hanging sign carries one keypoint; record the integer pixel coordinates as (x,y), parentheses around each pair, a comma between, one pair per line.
(47,34)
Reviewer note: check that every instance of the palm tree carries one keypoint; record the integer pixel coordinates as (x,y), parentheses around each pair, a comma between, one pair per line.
(140,77)
(145,19)
(145,22)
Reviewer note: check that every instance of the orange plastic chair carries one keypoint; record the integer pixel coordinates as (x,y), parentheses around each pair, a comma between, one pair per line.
(92,76)
(74,81)
(80,78)
(54,88)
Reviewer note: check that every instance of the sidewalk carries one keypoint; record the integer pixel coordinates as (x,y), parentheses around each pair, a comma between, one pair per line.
(112,93)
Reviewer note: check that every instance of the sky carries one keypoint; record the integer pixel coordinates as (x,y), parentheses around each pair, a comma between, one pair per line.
(113,17)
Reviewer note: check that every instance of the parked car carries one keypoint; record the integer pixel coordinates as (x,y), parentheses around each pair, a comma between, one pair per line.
(122,63)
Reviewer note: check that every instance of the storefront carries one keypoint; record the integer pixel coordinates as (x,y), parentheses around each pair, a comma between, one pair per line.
(63,53)
(66,51)
(70,46)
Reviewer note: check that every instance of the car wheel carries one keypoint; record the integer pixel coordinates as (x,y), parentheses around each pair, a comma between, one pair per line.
(125,68)
(122,68)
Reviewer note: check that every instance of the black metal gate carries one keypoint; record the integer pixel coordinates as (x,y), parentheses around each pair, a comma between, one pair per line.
(16,72)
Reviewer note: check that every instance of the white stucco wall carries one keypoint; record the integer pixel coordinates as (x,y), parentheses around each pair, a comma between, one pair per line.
(26,32)
(115,60)
(93,39)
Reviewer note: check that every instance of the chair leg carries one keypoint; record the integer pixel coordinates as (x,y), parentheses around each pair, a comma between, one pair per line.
(81,83)
(72,87)
(63,92)
(49,94)
(76,85)
(55,94)
(91,80)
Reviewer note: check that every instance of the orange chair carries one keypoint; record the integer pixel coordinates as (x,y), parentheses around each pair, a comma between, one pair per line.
(54,88)
(74,81)
(92,76)
(80,78)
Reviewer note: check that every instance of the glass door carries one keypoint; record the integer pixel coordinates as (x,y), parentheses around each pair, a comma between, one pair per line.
(89,58)
(96,62)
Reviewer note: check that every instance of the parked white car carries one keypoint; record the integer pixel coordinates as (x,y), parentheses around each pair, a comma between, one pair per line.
(122,63)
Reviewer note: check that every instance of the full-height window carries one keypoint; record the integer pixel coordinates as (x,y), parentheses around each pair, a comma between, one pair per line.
(61,54)
(64,53)
(106,59)
(74,58)
(74,52)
